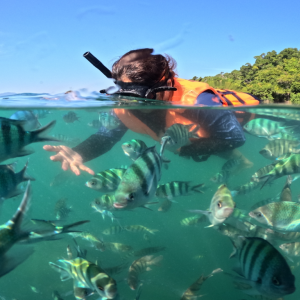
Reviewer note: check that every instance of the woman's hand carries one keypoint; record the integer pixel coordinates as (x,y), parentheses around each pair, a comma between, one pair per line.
(69,159)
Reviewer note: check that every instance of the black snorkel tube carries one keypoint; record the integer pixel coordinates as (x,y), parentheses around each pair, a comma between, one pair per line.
(126,88)
(97,64)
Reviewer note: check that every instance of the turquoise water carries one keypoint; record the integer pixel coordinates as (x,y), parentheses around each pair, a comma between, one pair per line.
(179,268)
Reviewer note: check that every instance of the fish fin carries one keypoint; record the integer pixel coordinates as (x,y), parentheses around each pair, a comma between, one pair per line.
(234,193)
(13,193)
(36,135)
(238,270)
(64,274)
(24,152)
(22,174)
(212,225)
(148,269)
(67,227)
(13,258)
(195,188)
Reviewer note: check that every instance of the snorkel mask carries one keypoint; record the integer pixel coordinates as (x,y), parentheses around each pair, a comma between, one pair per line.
(131,89)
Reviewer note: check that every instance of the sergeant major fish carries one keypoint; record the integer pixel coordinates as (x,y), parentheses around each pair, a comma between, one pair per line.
(134,148)
(70,117)
(175,189)
(180,136)
(278,148)
(139,183)
(88,277)
(13,138)
(106,181)
(263,268)
(109,120)
(221,206)
(291,249)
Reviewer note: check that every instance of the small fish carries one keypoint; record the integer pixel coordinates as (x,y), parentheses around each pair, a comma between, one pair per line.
(221,177)
(221,206)
(279,148)
(88,277)
(180,136)
(148,251)
(56,296)
(139,266)
(70,117)
(139,228)
(265,127)
(176,189)
(283,136)
(106,181)
(165,206)
(30,119)
(9,180)
(192,292)
(246,188)
(286,166)
(107,213)
(41,113)
(95,124)
(95,242)
(109,120)
(262,171)
(67,140)
(117,247)
(193,221)
(140,181)
(263,268)
(231,164)
(281,216)
(13,138)
(291,249)
(104,202)
(34,289)
(113,230)
(134,148)
(61,209)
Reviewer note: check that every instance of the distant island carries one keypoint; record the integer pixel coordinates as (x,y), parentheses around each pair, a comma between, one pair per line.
(273,77)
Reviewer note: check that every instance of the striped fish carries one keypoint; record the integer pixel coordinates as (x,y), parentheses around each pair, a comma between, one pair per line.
(263,268)
(286,166)
(221,206)
(281,216)
(265,128)
(221,177)
(106,181)
(86,276)
(283,136)
(139,228)
(262,171)
(279,148)
(180,135)
(192,221)
(117,247)
(139,266)
(104,202)
(175,189)
(246,188)
(134,148)
(113,230)
(139,183)
(13,138)
(148,251)
(192,292)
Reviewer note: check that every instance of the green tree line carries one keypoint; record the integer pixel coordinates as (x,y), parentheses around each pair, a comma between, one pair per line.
(274,77)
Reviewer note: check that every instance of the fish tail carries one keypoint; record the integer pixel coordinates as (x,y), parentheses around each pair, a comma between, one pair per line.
(64,273)
(67,227)
(16,220)
(234,193)
(22,174)
(36,136)
(156,260)
(195,188)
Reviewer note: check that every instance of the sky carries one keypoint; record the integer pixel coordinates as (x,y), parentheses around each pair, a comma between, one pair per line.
(42,42)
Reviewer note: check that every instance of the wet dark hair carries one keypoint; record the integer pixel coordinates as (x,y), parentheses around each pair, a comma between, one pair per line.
(142,67)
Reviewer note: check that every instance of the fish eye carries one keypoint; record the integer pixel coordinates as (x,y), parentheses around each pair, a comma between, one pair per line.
(275,281)
(100,288)
(130,197)
(219,204)
(258,214)
(93,182)
(97,202)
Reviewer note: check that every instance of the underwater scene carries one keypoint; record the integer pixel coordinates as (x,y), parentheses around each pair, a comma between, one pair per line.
(93,210)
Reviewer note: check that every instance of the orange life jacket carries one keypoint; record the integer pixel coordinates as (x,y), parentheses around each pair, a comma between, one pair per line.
(186,94)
